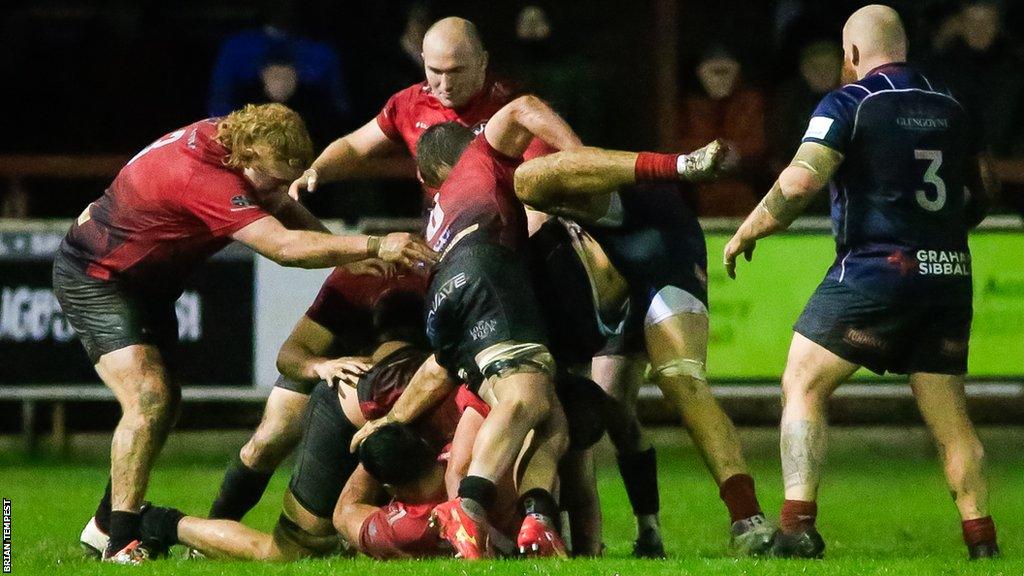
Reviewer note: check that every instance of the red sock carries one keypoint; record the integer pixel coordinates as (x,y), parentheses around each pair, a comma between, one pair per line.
(979,531)
(655,166)
(739,496)
(797,516)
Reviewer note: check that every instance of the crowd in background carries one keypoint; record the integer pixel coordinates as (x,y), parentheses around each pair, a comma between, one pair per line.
(107,77)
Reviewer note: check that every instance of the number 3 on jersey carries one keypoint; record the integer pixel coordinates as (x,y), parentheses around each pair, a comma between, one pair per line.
(931,176)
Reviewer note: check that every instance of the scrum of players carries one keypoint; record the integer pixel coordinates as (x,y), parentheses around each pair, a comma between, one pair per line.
(434,394)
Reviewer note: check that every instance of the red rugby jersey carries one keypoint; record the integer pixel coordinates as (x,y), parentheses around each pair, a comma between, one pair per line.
(400,530)
(170,208)
(480,193)
(345,303)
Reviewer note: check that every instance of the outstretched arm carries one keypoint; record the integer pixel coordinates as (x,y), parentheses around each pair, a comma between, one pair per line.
(343,155)
(811,168)
(512,128)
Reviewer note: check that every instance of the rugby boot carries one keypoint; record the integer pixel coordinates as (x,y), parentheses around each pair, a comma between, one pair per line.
(159,529)
(986,550)
(132,555)
(93,539)
(804,544)
(751,536)
(538,537)
(648,544)
(467,536)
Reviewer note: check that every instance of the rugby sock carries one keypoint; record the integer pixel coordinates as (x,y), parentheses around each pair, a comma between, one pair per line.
(478,495)
(639,471)
(739,496)
(160,525)
(124,527)
(979,531)
(797,516)
(656,166)
(240,491)
(102,513)
(539,501)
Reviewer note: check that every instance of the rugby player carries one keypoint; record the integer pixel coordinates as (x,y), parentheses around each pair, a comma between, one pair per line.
(324,463)
(121,266)
(331,343)
(457,89)
(483,320)
(907,186)
(657,245)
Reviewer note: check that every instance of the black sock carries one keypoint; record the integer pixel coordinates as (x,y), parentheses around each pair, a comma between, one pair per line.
(102,514)
(539,501)
(639,472)
(160,525)
(480,490)
(240,491)
(124,527)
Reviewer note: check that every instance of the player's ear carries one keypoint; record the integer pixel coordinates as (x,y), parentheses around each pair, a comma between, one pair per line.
(854,55)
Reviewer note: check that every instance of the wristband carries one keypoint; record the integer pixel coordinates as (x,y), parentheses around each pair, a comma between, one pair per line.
(373,246)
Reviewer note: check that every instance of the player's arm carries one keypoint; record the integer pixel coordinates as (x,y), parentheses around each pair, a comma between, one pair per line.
(304,249)
(982,187)
(512,128)
(358,501)
(809,172)
(461,453)
(343,155)
(290,212)
(552,181)
(304,356)
(429,385)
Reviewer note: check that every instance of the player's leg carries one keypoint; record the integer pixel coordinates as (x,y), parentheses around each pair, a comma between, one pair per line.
(571,175)
(621,377)
(149,403)
(298,533)
(580,501)
(943,405)
(278,433)
(812,373)
(677,346)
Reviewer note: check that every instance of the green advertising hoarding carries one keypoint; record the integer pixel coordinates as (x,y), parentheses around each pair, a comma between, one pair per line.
(752,317)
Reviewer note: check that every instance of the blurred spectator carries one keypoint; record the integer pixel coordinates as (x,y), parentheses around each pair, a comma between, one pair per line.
(546,66)
(726,109)
(286,65)
(14,203)
(984,72)
(820,67)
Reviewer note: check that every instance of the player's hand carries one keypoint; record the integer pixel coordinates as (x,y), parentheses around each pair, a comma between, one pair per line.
(305,182)
(736,246)
(345,370)
(706,163)
(367,429)
(406,249)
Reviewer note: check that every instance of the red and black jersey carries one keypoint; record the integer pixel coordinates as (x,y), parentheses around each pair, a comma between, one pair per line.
(400,530)
(408,113)
(479,198)
(382,385)
(411,111)
(345,304)
(170,208)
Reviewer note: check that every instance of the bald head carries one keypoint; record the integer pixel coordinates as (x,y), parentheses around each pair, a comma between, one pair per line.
(455,61)
(873,36)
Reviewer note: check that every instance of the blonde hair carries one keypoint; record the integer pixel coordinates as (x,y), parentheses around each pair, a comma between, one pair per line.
(271,137)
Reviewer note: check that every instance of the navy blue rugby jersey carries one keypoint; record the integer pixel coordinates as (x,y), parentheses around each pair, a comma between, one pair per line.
(898,199)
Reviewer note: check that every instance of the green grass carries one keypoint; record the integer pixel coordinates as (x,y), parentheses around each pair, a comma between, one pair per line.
(884,509)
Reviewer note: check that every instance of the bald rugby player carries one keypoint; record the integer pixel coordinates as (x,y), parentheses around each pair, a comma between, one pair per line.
(908,183)
(122,265)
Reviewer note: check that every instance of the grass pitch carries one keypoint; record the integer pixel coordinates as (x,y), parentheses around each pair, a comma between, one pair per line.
(884,509)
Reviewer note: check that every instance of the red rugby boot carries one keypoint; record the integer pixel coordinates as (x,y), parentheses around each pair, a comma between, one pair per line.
(467,536)
(537,537)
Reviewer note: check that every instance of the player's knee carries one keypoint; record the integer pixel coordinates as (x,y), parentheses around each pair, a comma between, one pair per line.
(685,378)
(273,440)
(156,403)
(528,404)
